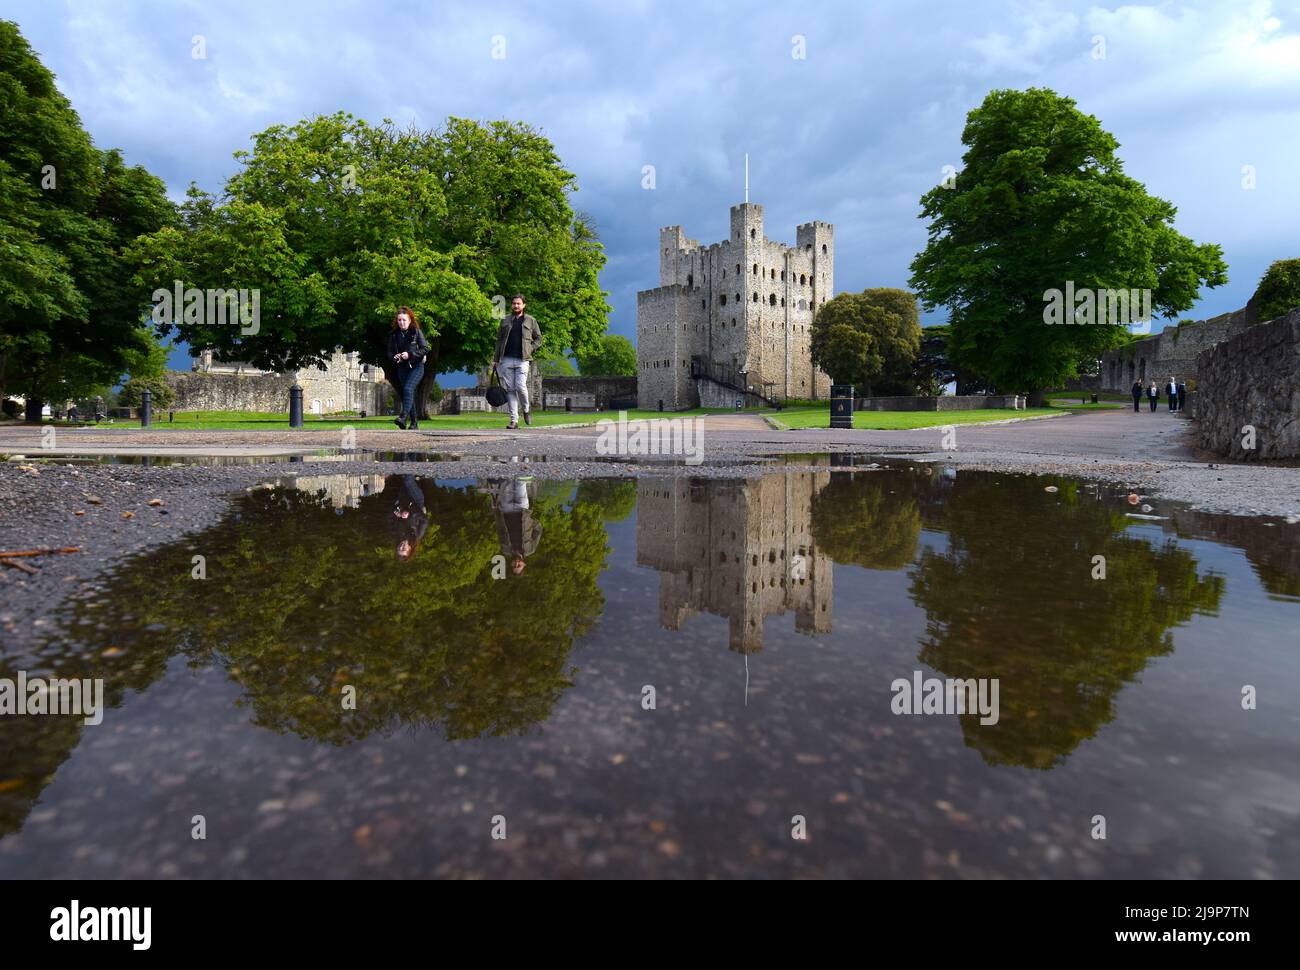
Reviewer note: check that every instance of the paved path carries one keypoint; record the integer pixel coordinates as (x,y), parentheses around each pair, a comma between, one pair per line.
(1110,434)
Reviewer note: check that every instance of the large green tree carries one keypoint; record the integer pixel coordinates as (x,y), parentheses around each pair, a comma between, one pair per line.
(610,355)
(1041,201)
(868,339)
(69,314)
(338,222)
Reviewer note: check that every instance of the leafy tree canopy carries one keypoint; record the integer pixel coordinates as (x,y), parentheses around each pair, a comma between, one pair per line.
(1042,200)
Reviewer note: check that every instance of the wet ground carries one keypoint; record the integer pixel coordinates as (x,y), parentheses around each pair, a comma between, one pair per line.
(507,674)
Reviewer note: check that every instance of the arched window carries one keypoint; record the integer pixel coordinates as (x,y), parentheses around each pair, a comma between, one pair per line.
(753,233)
(823,249)
(803,280)
(771,300)
(756,269)
(723,298)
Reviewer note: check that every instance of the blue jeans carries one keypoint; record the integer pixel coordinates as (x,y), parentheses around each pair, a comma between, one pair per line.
(409,383)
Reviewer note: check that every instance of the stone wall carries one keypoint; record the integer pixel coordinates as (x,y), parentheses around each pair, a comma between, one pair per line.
(230,392)
(714,395)
(199,391)
(1252,378)
(605,389)
(1172,352)
(949,402)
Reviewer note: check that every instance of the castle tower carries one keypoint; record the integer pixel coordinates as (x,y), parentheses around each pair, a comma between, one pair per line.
(733,314)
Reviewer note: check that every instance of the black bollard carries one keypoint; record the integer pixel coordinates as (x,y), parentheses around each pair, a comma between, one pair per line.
(146,408)
(841,405)
(295,406)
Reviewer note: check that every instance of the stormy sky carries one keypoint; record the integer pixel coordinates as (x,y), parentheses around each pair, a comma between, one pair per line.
(851,132)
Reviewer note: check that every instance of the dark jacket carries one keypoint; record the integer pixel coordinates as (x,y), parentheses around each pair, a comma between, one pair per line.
(1137,389)
(410,341)
(411,501)
(531,337)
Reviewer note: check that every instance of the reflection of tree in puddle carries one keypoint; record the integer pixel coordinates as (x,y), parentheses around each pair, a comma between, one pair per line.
(1013,597)
(869,519)
(300,601)
(304,595)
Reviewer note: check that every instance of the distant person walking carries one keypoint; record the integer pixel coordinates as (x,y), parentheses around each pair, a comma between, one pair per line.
(517,340)
(1153,395)
(1137,395)
(407,348)
(1182,396)
(1171,390)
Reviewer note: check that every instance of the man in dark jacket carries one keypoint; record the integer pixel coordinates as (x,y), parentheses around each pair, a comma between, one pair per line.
(517,339)
(1137,395)
(1182,396)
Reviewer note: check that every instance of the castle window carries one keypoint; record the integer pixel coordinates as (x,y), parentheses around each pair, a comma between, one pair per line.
(808,248)
(690,281)
(823,249)
(724,274)
(704,305)
(771,300)
(783,304)
(737,297)
(755,297)
(803,280)
(756,269)
(773,274)
(737,269)
(723,298)
(753,233)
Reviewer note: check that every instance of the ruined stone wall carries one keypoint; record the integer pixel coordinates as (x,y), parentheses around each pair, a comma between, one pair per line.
(1173,351)
(198,391)
(1252,378)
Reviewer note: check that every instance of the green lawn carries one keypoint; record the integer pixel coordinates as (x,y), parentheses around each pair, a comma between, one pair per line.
(269,421)
(795,418)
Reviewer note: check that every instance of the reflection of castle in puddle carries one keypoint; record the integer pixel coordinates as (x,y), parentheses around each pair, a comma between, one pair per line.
(730,548)
(341,491)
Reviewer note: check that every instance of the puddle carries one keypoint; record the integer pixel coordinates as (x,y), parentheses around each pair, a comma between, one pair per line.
(501,641)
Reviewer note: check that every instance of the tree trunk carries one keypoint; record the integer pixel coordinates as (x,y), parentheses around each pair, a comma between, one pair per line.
(34,408)
(425,387)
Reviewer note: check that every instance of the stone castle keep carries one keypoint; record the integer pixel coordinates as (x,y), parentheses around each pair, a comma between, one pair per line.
(733,316)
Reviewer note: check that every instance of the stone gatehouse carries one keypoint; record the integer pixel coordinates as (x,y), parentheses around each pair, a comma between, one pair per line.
(738,311)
